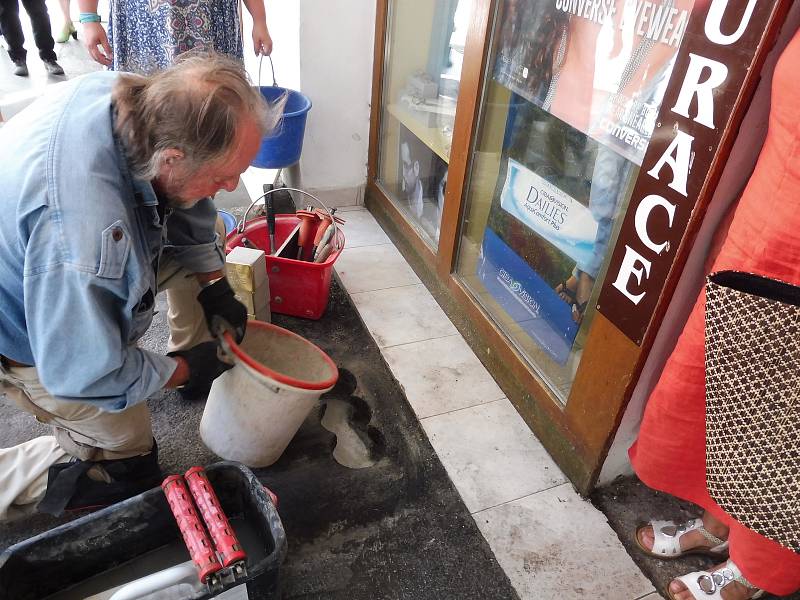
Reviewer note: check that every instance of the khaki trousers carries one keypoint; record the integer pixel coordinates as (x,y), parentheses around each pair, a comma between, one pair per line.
(80,429)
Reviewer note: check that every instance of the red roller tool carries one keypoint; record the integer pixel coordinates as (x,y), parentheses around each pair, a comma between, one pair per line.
(230,550)
(194,534)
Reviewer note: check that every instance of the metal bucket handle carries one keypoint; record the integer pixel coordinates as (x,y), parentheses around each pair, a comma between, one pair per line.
(241,225)
(272,66)
(226,355)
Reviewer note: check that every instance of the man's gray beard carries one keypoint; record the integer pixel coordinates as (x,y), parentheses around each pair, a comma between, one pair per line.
(172,200)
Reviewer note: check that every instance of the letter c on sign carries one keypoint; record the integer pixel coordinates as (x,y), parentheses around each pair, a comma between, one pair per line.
(643,211)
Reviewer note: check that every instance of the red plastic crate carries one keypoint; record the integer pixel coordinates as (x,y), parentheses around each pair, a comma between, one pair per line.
(296,287)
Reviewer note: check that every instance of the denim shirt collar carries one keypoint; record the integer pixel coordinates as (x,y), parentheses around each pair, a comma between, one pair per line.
(143,192)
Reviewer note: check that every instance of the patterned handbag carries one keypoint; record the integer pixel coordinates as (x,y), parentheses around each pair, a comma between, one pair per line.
(752,361)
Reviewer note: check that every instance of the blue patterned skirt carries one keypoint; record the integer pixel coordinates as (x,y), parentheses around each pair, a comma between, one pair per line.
(147,35)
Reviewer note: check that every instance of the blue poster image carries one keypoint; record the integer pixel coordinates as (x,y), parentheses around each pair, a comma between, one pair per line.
(526,297)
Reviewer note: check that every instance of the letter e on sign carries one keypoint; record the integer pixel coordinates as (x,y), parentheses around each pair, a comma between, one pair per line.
(629,267)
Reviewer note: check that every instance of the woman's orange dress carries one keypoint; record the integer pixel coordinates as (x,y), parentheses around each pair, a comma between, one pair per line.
(764,238)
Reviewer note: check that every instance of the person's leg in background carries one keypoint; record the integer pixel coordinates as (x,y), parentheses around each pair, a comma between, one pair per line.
(42,34)
(67,29)
(609,176)
(15,39)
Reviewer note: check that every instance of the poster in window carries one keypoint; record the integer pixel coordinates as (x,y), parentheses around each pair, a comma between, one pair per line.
(599,65)
(423,179)
(535,243)
(550,224)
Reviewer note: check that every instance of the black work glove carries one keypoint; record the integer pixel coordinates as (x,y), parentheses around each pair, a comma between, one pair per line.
(223,310)
(204,364)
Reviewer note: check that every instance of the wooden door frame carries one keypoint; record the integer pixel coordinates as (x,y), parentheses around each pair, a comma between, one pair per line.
(579,435)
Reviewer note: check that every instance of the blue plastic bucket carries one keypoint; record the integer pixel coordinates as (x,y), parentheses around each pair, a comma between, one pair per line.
(228,219)
(282,148)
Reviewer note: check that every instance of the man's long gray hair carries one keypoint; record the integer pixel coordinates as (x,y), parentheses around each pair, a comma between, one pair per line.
(195,106)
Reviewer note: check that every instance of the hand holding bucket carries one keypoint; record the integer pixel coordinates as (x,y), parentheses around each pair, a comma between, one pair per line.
(223,312)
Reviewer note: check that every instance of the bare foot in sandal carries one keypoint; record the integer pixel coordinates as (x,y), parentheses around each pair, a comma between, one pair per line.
(666,539)
(582,293)
(723,581)
(566,289)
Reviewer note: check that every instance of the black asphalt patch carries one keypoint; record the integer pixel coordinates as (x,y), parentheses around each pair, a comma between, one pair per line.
(395,530)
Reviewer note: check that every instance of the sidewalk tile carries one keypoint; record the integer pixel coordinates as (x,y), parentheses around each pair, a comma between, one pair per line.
(361,229)
(441,375)
(369,268)
(402,315)
(554,544)
(491,455)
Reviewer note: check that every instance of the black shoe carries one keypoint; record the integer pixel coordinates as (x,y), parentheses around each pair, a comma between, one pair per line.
(52,67)
(69,486)
(20,68)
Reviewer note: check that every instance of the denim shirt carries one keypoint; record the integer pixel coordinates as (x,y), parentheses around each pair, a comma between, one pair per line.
(80,240)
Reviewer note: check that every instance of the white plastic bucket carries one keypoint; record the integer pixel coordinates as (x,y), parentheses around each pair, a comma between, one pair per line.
(255,409)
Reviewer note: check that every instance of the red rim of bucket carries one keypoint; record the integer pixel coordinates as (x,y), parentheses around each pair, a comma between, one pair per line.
(285,379)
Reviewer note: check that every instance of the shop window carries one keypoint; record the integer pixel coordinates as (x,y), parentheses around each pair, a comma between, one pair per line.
(425,49)
(570,102)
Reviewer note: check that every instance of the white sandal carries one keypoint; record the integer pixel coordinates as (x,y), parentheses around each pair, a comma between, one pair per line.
(707,585)
(667,536)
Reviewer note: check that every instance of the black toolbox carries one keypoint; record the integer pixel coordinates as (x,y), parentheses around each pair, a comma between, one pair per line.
(77,551)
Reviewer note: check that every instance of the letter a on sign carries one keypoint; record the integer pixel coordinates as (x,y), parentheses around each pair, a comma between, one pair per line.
(681,146)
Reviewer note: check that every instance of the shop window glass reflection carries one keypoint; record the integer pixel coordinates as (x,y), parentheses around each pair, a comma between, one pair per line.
(569,106)
(425,42)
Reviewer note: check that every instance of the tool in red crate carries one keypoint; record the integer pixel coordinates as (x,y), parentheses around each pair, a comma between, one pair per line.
(193,531)
(321,229)
(231,552)
(270,208)
(267,196)
(308,224)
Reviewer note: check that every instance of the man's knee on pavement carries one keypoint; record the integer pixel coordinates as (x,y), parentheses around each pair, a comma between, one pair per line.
(89,433)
